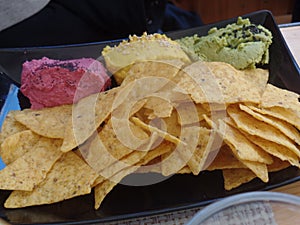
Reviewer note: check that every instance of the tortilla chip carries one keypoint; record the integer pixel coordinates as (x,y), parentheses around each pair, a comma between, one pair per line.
(258,168)
(189,113)
(216,82)
(69,177)
(286,128)
(171,124)
(184,170)
(277,150)
(277,165)
(202,149)
(255,127)
(47,122)
(163,68)
(154,166)
(26,172)
(284,114)
(16,145)
(161,133)
(246,150)
(102,189)
(10,126)
(87,116)
(155,153)
(274,96)
(235,177)
(106,149)
(225,160)
(160,107)
(172,162)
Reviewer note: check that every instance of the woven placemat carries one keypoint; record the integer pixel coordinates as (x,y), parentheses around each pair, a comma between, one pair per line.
(177,218)
(247,214)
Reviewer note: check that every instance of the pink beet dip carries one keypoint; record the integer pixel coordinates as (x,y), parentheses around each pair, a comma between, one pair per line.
(48,82)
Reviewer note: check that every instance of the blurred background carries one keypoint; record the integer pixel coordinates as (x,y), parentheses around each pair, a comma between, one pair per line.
(215,10)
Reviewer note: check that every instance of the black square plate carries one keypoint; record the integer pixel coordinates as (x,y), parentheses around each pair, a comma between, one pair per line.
(177,192)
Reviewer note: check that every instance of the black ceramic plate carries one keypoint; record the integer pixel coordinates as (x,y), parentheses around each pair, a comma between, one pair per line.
(177,192)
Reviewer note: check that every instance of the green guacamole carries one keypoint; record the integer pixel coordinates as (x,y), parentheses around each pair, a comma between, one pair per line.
(241,44)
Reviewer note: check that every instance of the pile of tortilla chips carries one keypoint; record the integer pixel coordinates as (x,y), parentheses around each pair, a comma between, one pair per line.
(163,118)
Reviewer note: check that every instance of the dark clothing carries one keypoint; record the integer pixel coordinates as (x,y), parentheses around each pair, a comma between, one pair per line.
(81,21)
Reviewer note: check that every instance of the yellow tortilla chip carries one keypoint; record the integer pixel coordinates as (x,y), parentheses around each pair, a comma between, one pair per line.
(258,168)
(255,127)
(17,145)
(284,114)
(246,150)
(189,113)
(160,107)
(87,116)
(161,133)
(102,189)
(201,151)
(26,172)
(137,158)
(10,126)
(69,177)
(277,165)
(235,177)
(106,149)
(150,68)
(286,128)
(172,162)
(216,82)
(184,170)
(155,153)
(225,160)
(277,150)
(274,96)
(47,122)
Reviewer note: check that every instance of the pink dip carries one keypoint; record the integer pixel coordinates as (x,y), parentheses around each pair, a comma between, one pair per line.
(47,82)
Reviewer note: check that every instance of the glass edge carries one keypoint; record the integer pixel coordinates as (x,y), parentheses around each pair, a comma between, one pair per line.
(242,198)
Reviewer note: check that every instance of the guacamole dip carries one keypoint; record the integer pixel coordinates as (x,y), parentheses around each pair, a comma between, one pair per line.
(241,44)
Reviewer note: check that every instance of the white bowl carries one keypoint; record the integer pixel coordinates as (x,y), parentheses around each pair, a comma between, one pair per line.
(251,208)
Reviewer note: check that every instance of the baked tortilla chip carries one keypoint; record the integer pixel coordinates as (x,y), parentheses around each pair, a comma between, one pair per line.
(161,133)
(277,150)
(10,126)
(281,113)
(164,68)
(102,189)
(253,126)
(69,177)
(277,165)
(26,172)
(16,145)
(258,168)
(274,96)
(47,122)
(216,82)
(225,160)
(286,128)
(235,177)
(87,116)
(246,150)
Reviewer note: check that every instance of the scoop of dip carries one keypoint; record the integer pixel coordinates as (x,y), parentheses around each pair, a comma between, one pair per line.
(119,59)
(48,82)
(241,44)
